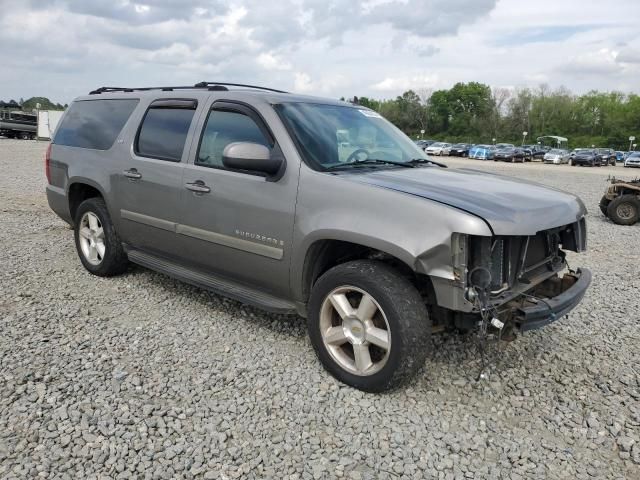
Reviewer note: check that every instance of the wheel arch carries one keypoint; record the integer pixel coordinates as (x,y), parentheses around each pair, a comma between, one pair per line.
(79,190)
(324,253)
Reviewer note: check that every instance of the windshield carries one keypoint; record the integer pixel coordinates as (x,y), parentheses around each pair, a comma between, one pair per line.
(555,151)
(334,135)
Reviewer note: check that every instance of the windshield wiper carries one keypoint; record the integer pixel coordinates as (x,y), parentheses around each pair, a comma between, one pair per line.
(371,161)
(416,161)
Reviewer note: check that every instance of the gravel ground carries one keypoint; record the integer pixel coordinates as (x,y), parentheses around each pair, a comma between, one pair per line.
(141,376)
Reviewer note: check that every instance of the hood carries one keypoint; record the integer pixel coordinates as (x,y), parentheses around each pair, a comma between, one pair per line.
(509,206)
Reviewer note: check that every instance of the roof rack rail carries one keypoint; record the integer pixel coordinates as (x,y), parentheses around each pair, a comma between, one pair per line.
(208,85)
(214,84)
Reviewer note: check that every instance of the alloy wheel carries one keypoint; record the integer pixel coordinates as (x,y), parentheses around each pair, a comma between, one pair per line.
(355,330)
(91,237)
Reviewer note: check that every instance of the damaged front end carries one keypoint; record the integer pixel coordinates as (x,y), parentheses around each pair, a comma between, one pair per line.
(519,283)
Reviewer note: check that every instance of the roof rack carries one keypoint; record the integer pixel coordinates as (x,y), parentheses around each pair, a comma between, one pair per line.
(208,85)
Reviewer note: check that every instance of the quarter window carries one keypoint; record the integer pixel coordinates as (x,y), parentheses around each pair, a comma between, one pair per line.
(163,132)
(224,127)
(94,124)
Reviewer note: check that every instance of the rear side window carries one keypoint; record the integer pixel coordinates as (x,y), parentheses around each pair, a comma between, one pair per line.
(94,123)
(164,129)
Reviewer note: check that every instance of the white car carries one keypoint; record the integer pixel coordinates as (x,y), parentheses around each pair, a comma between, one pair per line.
(438,148)
(556,156)
(633,160)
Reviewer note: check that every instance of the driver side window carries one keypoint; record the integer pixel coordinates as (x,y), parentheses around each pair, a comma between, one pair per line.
(222,128)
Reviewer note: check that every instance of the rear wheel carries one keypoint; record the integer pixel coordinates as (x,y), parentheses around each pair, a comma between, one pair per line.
(98,244)
(368,325)
(624,210)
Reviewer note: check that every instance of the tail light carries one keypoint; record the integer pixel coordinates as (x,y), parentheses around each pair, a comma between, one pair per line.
(47,163)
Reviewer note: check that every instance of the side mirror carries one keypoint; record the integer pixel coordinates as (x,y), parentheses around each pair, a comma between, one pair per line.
(250,156)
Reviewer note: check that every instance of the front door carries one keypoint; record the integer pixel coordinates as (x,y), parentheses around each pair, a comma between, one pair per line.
(150,184)
(239,225)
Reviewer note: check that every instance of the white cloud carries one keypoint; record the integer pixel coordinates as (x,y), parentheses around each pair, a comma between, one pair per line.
(63,48)
(303,83)
(601,61)
(272,62)
(415,82)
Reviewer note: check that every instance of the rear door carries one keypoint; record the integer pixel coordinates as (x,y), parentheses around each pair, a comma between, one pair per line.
(149,185)
(240,224)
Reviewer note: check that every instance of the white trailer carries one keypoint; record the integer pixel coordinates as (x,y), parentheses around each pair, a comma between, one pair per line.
(47,122)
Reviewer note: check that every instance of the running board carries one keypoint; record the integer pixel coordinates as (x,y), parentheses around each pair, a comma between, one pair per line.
(213,283)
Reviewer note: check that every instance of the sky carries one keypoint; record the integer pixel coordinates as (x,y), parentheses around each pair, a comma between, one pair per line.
(378,48)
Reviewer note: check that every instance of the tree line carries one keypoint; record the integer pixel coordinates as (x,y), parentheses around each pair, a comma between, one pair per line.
(476,113)
(31,104)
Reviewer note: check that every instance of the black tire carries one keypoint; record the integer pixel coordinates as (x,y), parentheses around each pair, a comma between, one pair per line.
(114,261)
(624,210)
(408,321)
(604,204)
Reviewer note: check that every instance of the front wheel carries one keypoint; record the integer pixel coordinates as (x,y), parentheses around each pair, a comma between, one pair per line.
(98,244)
(624,210)
(368,325)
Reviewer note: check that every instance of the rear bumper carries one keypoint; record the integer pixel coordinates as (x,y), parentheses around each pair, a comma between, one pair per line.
(551,309)
(58,202)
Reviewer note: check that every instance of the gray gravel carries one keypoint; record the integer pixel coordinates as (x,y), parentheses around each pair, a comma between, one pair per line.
(141,376)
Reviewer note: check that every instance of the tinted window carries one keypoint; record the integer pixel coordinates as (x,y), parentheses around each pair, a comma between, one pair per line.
(94,123)
(163,133)
(223,128)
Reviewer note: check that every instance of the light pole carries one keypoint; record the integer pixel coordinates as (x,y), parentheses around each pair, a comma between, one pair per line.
(524,135)
(494,141)
(421,134)
(631,139)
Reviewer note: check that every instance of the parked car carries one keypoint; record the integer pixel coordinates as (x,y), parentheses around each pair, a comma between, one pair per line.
(556,156)
(500,146)
(575,151)
(423,144)
(633,160)
(510,154)
(460,149)
(437,148)
(586,157)
(247,192)
(536,152)
(620,156)
(607,156)
(481,152)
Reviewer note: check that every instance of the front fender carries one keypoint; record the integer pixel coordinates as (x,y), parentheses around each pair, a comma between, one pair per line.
(414,230)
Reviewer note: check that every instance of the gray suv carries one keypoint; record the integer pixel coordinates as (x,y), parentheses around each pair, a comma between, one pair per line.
(317,207)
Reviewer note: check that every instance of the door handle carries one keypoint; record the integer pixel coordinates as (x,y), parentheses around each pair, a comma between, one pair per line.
(198,186)
(132,173)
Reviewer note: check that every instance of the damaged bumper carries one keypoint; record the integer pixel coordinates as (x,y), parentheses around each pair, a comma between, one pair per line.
(551,300)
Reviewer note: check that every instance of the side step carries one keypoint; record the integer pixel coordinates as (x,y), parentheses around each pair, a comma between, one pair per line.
(216,284)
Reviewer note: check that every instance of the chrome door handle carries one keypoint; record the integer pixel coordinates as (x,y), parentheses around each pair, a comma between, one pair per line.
(198,186)
(132,173)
